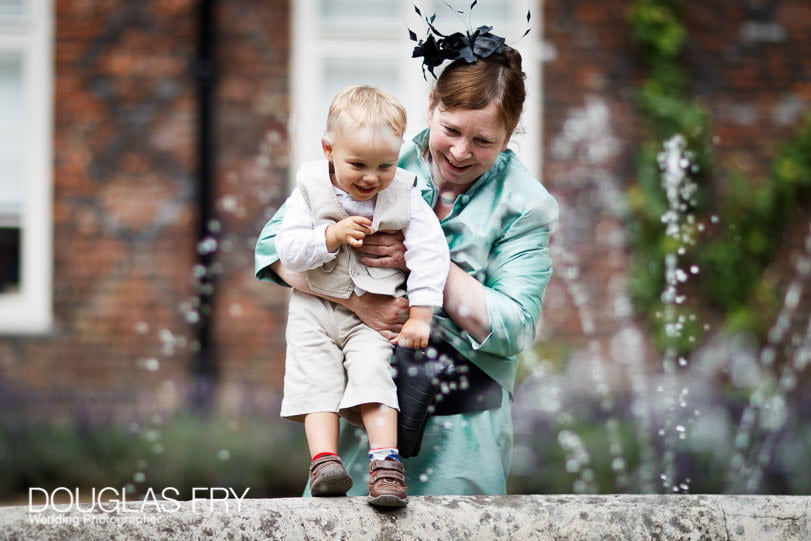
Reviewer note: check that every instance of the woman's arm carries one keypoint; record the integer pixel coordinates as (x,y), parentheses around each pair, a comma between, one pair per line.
(517,273)
(465,303)
(464,297)
(501,313)
(383,313)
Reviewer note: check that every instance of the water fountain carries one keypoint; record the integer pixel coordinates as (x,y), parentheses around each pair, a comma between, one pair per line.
(668,425)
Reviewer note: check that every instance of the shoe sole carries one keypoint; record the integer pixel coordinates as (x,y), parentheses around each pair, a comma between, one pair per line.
(332,484)
(387,501)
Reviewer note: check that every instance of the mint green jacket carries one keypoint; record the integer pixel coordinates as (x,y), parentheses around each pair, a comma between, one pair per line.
(498,232)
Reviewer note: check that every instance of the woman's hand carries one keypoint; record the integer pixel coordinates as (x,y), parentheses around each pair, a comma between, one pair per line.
(383,313)
(384,249)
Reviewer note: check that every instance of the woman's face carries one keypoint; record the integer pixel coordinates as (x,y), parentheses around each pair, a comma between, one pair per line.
(464,143)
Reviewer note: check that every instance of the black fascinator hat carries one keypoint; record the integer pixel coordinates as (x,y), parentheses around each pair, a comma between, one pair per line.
(437,47)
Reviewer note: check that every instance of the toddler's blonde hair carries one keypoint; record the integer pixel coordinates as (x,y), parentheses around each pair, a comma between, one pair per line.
(365,106)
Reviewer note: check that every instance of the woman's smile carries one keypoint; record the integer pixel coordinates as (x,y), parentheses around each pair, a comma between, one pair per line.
(457,165)
(464,143)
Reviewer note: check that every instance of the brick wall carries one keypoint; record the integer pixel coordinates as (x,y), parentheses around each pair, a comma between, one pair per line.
(123,210)
(590,132)
(747,68)
(252,113)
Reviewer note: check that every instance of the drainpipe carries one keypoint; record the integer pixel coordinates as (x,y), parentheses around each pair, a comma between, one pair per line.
(204,369)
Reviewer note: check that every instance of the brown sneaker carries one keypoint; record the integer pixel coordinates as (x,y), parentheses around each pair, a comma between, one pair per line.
(387,486)
(328,477)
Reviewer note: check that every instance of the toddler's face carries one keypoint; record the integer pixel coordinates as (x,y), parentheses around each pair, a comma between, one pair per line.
(365,159)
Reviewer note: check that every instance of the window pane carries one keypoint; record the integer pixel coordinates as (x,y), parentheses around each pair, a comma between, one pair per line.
(9,260)
(11,8)
(11,148)
(493,13)
(340,73)
(352,9)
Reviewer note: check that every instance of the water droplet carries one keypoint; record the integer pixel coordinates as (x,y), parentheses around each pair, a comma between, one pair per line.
(151,365)
(224,454)
(165,335)
(207,246)
(229,203)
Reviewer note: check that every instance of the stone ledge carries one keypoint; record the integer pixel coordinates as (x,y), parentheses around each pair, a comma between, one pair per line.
(559,517)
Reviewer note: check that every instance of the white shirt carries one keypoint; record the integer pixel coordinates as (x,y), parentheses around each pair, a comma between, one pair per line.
(302,247)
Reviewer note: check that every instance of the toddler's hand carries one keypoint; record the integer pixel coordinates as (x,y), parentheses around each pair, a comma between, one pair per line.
(414,334)
(349,231)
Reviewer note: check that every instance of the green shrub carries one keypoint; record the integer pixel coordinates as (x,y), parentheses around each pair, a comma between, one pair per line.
(269,457)
(734,251)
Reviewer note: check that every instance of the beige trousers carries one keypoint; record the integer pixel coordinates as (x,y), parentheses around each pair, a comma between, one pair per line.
(334,361)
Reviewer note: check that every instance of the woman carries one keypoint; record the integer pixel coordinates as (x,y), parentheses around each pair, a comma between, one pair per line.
(497,219)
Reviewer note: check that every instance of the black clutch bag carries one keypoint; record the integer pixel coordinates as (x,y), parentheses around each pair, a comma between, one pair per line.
(418,381)
(436,380)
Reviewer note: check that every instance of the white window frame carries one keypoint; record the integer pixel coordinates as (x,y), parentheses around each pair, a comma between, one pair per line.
(30,310)
(312,44)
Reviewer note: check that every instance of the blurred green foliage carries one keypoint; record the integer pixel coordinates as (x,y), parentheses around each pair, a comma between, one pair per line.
(272,461)
(189,451)
(656,23)
(749,218)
